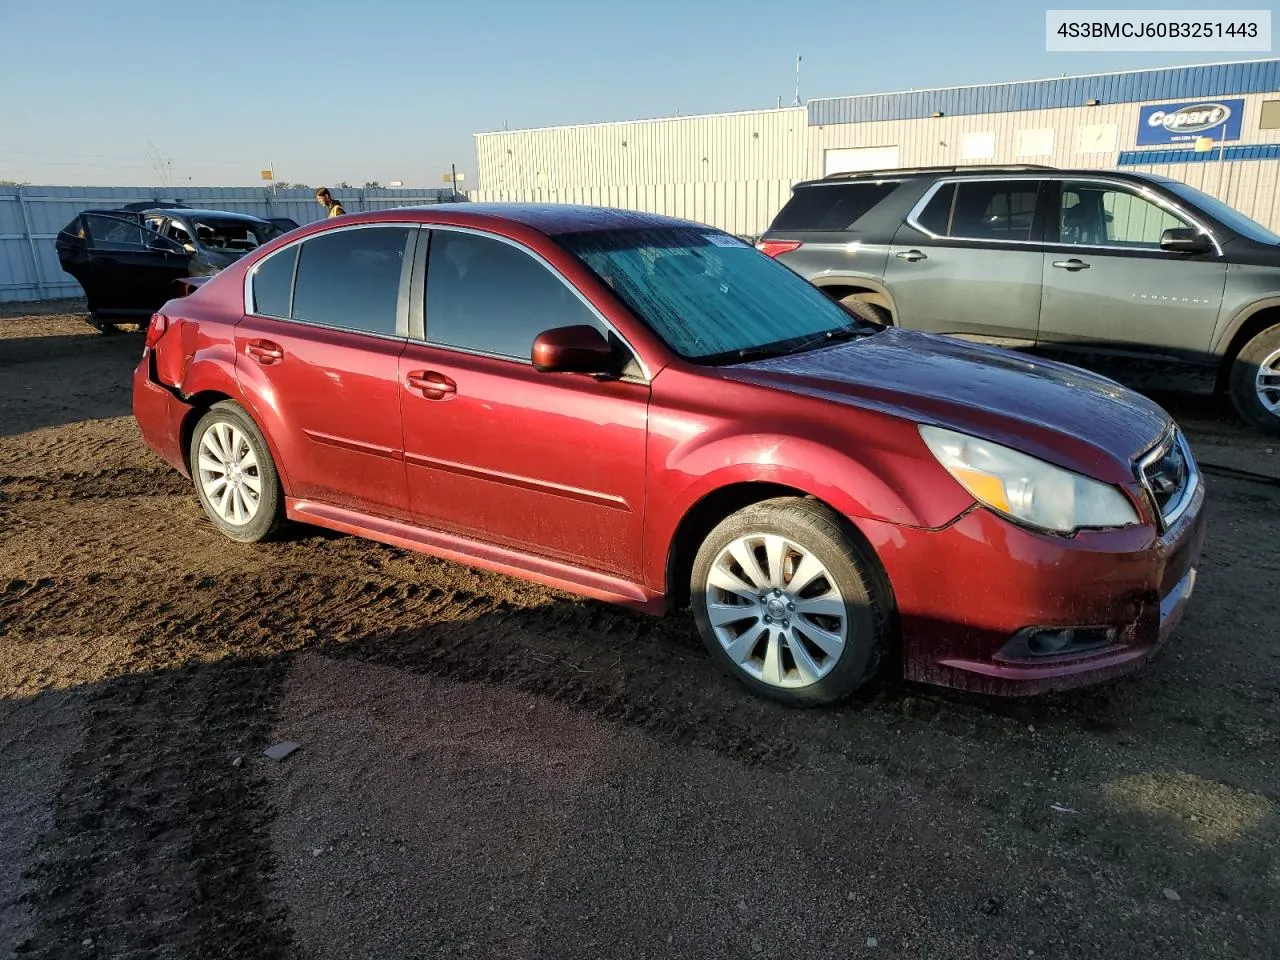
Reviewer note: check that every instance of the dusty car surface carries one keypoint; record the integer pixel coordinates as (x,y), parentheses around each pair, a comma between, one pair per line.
(651,412)
(129,261)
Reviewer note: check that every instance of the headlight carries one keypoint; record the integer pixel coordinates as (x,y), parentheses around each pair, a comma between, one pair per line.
(1026,489)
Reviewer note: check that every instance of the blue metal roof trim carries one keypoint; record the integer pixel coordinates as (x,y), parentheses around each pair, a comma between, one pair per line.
(1143,158)
(1170,83)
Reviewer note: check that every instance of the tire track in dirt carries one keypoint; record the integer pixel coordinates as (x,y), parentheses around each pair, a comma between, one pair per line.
(158,846)
(93,484)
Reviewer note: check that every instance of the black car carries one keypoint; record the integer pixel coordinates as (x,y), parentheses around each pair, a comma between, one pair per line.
(129,260)
(1138,276)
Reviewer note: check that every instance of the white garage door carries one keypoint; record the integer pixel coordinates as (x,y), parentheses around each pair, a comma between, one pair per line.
(852,159)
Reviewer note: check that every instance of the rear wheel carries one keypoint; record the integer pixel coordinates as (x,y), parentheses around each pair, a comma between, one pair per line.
(234,475)
(789,602)
(871,312)
(1255,381)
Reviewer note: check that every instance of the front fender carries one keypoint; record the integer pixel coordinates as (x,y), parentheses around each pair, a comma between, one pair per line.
(897,482)
(1227,333)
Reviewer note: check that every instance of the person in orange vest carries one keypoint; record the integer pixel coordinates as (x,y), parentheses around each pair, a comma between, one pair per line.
(325,199)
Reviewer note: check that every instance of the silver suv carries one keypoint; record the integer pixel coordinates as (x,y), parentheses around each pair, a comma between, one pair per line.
(1138,276)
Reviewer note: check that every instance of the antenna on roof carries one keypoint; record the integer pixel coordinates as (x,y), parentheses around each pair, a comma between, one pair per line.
(798,59)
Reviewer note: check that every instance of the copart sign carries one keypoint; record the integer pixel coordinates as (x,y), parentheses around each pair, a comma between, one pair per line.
(1184,122)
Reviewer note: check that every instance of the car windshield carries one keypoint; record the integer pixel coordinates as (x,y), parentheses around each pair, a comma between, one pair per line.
(238,235)
(710,297)
(1230,216)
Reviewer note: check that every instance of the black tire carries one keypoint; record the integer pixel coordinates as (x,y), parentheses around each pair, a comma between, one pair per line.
(270,506)
(102,326)
(871,312)
(853,570)
(1243,381)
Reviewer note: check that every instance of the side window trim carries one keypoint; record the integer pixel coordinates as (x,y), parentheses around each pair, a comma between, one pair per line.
(646,376)
(1120,186)
(403,294)
(1037,223)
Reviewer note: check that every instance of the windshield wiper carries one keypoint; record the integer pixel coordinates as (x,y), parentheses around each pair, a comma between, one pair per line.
(783,348)
(828,336)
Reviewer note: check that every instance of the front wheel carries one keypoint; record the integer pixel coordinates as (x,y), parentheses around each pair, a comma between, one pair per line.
(1255,381)
(234,475)
(789,602)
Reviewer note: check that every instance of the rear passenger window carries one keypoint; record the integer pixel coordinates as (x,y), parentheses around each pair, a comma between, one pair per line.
(983,210)
(831,206)
(273,284)
(490,297)
(936,216)
(113,233)
(351,278)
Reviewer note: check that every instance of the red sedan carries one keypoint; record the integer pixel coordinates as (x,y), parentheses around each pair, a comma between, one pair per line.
(651,412)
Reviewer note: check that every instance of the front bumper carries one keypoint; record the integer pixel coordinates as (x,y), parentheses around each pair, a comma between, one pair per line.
(964,591)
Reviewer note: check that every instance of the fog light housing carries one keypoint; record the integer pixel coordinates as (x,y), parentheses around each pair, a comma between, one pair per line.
(1034,643)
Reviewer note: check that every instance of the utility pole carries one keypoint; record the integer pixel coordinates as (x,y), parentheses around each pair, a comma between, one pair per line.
(1222,152)
(798,58)
(453,179)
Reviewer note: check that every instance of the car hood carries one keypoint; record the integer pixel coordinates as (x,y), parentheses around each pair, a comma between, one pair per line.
(1054,411)
(1244,252)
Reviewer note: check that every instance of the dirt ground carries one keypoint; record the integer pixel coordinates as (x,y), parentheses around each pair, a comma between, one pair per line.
(493,769)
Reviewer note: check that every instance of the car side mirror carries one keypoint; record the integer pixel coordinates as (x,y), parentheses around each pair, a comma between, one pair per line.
(1184,240)
(576,349)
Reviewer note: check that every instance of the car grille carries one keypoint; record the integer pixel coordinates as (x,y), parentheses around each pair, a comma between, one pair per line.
(1169,474)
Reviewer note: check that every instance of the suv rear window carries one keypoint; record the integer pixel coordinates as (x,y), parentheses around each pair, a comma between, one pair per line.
(831,206)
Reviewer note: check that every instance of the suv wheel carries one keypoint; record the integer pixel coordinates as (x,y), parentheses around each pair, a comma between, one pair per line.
(234,475)
(787,602)
(872,312)
(1255,381)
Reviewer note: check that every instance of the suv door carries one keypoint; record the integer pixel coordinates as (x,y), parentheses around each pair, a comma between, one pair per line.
(1112,297)
(548,463)
(128,268)
(320,349)
(968,260)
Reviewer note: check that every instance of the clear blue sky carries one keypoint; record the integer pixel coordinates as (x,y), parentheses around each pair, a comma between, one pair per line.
(385,90)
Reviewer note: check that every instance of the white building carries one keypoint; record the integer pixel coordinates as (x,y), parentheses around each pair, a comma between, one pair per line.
(735,170)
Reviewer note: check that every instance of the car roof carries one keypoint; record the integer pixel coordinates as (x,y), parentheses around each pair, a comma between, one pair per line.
(547,218)
(980,170)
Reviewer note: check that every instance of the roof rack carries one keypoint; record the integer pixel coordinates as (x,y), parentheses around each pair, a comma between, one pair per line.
(899,171)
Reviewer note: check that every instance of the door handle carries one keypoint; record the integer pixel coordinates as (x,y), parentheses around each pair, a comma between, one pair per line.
(912,255)
(1072,264)
(265,352)
(432,385)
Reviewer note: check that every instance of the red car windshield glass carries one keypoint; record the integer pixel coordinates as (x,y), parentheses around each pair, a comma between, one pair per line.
(708,295)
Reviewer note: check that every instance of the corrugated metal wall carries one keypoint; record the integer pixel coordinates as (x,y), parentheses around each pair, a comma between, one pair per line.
(730,170)
(734,171)
(30,218)
(1166,83)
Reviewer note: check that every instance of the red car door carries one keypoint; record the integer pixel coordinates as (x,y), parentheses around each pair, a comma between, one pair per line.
(551,464)
(320,353)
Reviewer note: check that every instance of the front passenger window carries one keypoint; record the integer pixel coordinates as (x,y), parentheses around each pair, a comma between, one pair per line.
(1093,214)
(487,296)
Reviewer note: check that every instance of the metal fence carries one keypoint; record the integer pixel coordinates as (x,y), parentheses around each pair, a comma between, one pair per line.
(30,218)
